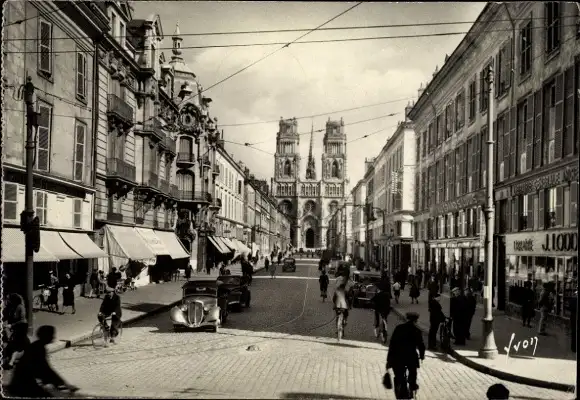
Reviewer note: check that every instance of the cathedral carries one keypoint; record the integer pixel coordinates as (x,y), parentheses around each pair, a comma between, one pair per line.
(308,201)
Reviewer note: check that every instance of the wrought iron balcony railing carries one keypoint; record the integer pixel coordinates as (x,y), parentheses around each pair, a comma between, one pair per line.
(117,168)
(120,109)
(185,157)
(153,180)
(164,186)
(194,195)
(174,191)
(169,144)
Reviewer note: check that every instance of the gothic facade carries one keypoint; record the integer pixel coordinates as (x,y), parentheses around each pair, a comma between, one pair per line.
(307,201)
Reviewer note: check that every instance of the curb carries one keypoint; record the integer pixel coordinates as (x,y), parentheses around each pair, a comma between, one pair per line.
(65,344)
(561,387)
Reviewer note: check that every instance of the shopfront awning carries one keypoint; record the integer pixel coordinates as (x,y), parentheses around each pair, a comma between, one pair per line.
(125,242)
(220,240)
(172,244)
(229,243)
(155,244)
(82,244)
(242,248)
(52,242)
(13,248)
(218,245)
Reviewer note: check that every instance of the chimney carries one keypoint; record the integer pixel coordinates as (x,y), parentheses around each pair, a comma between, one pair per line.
(408,111)
(436,70)
(421,90)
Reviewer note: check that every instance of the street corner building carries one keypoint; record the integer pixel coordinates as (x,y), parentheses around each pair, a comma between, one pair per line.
(534,51)
(307,201)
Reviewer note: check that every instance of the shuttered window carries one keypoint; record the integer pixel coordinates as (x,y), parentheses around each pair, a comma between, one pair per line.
(44,47)
(526,49)
(77,213)
(552,25)
(472,100)
(460,110)
(568,141)
(44,136)
(81,76)
(10,201)
(80,146)
(41,206)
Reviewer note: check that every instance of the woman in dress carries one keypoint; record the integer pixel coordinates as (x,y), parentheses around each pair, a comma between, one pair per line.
(68,294)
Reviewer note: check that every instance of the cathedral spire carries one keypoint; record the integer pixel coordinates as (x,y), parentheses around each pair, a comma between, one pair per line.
(311,167)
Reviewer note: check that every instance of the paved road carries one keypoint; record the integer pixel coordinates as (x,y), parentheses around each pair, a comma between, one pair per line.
(296,356)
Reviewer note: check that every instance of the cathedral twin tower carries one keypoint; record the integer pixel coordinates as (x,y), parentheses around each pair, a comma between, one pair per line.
(308,201)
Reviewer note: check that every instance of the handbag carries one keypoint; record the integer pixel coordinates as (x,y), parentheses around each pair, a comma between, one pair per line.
(387,381)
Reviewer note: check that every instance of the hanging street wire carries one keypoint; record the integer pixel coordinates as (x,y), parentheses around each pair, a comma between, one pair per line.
(337,28)
(321,114)
(39,14)
(284,44)
(275,51)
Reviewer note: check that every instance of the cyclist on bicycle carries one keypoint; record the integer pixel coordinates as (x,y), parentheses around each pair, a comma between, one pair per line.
(403,357)
(34,367)
(382,306)
(110,307)
(341,301)
(436,317)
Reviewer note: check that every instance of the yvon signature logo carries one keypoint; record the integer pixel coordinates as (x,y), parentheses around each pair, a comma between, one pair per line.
(532,341)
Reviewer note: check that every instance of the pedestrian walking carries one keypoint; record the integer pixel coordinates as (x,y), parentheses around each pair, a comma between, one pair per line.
(323,282)
(546,305)
(102,283)
(208,266)
(266,264)
(458,312)
(53,289)
(16,322)
(436,318)
(279,258)
(94,283)
(188,269)
(414,292)
(405,350)
(113,278)
(68,293)
(273,271)
(528,298)
(397,291)
(433,286)
(471,306)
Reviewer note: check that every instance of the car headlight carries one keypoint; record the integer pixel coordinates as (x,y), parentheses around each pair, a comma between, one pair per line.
(205,309)
(183,307)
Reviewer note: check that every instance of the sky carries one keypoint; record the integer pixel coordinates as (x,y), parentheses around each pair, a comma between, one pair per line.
(310,79)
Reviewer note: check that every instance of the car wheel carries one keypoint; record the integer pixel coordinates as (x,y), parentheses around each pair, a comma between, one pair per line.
(215,329)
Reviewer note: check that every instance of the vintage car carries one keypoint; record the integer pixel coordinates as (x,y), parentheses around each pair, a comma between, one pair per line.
(365,284)
(201,307)
(289,265)
(235,290)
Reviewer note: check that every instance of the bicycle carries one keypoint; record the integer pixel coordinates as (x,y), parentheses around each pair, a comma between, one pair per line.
(340,323)
(383,333)
(404,392)
(445,334)
(41,300)
(102,332)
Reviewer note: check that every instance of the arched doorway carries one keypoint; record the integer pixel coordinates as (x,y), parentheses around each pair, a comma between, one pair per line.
(310,238)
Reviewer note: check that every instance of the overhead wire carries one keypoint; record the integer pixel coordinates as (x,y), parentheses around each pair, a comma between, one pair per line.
(284,44)
(273,52)
(38,14)
(337,28)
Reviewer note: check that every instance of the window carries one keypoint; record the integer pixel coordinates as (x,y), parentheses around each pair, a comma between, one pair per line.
(122,34)
(449,120)
(550,114)
(484,89)
(504,69)
(424,144)
(79,157)
(522,137)
(524,207)
(81,76)
(460,110)
(472,100)
(526,49)
(239,187)
(44,47)
(552,25)
(10,201)
(77,213)
(41,200)
(552,200)
(43,135)
(113,24)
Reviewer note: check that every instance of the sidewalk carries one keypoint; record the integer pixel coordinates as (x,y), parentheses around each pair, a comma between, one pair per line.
(552,366)
(136,305)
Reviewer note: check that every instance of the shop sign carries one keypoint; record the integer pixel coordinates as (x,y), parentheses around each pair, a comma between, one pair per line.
(469,200)
(558,243)
(568,174)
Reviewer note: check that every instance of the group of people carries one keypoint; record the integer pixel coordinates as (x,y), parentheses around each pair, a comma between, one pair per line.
(272,262)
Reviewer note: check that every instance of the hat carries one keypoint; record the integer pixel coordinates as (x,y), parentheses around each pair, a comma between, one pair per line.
(498,392)
(412,316)
(455,290)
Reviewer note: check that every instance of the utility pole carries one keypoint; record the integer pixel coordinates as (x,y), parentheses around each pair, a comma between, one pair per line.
(29,224)
(367,238)
(489,348)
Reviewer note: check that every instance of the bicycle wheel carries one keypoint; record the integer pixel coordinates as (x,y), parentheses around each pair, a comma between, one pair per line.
(100,338)
(384,333)
(36,303)
(340,325)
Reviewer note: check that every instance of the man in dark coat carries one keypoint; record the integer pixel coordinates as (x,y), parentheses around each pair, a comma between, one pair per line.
(436,317)
(471,306)
(406,341)
(111,307)
(458,313)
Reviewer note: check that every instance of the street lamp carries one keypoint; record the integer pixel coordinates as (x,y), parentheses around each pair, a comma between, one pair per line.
(489,348)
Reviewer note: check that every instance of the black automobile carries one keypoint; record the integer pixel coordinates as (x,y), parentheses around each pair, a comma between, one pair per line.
(289,265)
(236,290)
(366,284)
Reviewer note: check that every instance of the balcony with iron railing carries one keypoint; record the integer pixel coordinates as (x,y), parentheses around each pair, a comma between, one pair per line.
(118,110)
(151,180)
(205,161)
(118,169)
(194,196)
(151,128)
(169,145)
(174,191)
(114,217)
(164,186)
(216,203)
(185,159)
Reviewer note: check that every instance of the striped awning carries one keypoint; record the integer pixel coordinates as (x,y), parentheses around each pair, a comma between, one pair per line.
(13,248)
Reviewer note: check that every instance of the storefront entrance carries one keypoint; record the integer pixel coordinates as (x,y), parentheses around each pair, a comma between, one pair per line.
(310,238)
